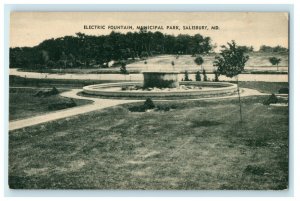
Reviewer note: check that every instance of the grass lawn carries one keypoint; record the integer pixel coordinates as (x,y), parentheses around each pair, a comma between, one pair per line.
(17,81)
(23,103)
(197,145)
(265,87)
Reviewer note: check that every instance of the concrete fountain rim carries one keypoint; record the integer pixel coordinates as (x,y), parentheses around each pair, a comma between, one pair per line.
(224,88)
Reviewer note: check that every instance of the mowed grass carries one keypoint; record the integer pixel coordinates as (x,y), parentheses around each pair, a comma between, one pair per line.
(265,87)
(23,103)
(197,145)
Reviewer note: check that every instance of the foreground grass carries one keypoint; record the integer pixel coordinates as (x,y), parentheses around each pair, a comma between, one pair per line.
(197,145)
(23,103)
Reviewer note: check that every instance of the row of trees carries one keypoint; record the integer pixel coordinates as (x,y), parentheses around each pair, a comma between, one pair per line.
(84,50)
(277,49)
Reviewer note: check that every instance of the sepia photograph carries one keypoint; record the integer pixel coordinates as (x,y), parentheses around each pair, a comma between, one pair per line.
(149,100)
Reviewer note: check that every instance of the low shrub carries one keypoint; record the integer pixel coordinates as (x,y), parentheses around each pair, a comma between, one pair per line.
(51,92)
(198,76)
(284,91)
(148,104)
(271,100)
(62,105)
(204,75)
(216,76)
(165,108)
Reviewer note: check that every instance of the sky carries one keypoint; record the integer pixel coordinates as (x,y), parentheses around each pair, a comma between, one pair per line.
(246,28)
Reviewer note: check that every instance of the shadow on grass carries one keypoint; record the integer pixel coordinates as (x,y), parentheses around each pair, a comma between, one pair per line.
(255,170)
(205,123)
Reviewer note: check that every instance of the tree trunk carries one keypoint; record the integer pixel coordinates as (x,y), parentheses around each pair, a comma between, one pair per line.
(238,89)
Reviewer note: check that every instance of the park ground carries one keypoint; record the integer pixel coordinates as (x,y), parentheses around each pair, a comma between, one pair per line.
(194,145)
(24,103)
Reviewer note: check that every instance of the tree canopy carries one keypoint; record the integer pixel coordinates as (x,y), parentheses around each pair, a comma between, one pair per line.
(231,60)
(84,50)
(274,60)
(278,48)
(199,60)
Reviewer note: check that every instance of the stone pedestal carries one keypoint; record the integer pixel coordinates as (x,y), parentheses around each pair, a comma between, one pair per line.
(163,79)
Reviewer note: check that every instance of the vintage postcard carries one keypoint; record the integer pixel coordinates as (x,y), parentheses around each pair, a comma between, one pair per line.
(149,100)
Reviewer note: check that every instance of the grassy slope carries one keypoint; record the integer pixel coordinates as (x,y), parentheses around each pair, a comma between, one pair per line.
(33,82)
(23,103)
(256,59)
(184,62)
(199,145)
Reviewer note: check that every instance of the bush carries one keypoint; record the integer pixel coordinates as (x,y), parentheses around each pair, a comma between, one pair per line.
(53,91)
(123,69)
(62,105)
(186,76)
(148,104)
(284,91)
(198,76)
(165,108)
(216,76)
(271,100)
(204,75)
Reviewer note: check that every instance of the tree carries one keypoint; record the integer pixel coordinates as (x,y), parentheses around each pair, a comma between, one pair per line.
(278,48)
(173,64)
(204,75)
(274,61)
(199,61)
(198,76)
(186,76)
(231,63)
(123,69)
(89,50)
(216,76)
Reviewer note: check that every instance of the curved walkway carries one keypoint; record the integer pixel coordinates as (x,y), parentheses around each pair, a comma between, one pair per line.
(98,104)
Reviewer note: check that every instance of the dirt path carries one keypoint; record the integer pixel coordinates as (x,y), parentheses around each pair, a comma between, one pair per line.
(97,104)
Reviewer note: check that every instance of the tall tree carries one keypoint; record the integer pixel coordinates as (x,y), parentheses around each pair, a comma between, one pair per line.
(90,51)
(231,63)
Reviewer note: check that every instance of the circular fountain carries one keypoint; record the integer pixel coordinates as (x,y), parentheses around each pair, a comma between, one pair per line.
(161,84)
(188,89)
